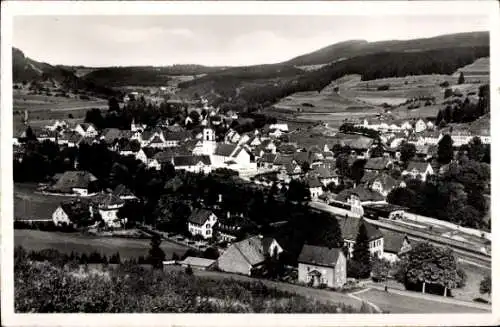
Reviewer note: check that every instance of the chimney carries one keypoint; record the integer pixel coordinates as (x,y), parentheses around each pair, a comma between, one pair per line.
(220,198)
(228,214)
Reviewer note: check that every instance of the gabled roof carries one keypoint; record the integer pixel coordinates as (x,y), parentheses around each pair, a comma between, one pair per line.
(75,209)
(287,148)
(269,157)
(254,249)
(368,176)
(301,157)
(364,194)
(350,228)
(121,191)
(191,160)
(177,136)
(74,179)
(420,166)
(156,140)
(112,134)
(150,152)
(85,126)
(386,180)
(224,149)
(323,172)
(376,163)
(106,200)
(199,216)
(313,182)
(164,156)
(319,255)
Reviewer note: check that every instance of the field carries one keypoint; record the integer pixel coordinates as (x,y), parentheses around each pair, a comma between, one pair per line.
(67,242)
(359,99)
(43,109)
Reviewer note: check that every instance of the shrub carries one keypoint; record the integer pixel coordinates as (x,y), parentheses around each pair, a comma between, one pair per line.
(444,84)
(384,87)
(189,270)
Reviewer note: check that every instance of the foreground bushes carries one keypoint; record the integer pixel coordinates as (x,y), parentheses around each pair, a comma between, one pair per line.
(44,287)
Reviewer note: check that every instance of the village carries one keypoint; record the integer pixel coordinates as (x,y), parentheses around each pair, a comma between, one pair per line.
(356,176)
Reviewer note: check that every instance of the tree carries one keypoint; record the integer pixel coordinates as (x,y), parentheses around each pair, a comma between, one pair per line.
(325,231)
(378,151)
(428,265)
(448,93)
(445,150)
(361,252)
(408,151)
(156,254)
(485,285)
(305,167)
(461,78)
(298,191)
(476,149)
(342,164)
(358,170)
(113,105)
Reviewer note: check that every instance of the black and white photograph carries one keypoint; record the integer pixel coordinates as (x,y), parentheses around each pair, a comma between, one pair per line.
(270,161)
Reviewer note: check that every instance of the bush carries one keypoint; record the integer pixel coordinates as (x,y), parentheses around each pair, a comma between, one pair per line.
(189,270)
(384,87)
(444,84)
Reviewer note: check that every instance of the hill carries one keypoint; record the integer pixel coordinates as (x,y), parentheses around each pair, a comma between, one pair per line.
(355,48)
(28,71)
(142,75)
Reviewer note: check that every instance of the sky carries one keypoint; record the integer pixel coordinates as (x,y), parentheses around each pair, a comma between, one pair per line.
(98,41)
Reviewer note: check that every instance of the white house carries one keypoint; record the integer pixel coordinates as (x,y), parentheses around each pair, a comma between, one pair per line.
(281,127)
(201,222)
(61,216)
(194,164)
(420,126)
(406,125)
(350,227)
(108,206)
(61,125)
(86,130)
(315,187)
(419,170)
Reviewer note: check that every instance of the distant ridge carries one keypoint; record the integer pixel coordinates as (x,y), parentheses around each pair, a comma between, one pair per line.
(355,48)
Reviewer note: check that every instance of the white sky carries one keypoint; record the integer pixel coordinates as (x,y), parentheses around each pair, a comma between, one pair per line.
(212,40)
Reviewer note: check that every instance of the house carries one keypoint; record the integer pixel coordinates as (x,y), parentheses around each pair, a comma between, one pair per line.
(194,164)
(315,187)
(418,170)
(420,126)
(325,175)
(377,164)
(47,135)
(232,155)
(267,161)
(137,127)
(359,193)
(461,137)
(197,263)
(383,183)
(233,227)
(58,125)
(86,129)
(81,183)
(320,265)
(113,135)
(281,127)
(395,245)
(173,139)
(406,125)
(232,136)
(69,213)
(350,227)
(201,222)
(248,255)
(124,193)
(108,205)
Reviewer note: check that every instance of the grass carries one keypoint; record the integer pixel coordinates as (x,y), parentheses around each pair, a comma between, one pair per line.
(395,303)
(68,242)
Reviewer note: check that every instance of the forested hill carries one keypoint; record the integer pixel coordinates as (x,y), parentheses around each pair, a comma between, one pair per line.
(277,84)
(355,48)
(27,70)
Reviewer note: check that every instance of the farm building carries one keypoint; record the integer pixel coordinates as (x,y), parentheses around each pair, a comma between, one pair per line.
(80,183)
(322,266)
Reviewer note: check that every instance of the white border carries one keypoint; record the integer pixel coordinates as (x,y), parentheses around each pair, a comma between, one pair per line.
(11,8)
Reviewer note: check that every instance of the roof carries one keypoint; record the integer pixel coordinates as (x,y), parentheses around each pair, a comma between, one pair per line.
(368,176)
(313,182)
(74,179)
(199,216)
(393,241)
(150,152)
(301,157)
(363,193)
(418,165)
(191,160)
(28,209)
(287,148)
(358,142)
(386,180)
(75,209)
(177,136)
(164,156)
(121,190)
(269,157)
(225,149)
(106,200)
(254,249)
(112,134)
(350,228)
(85,126)
(156,140)
(319,255)
(376,163)
(323,172)
(198,262)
